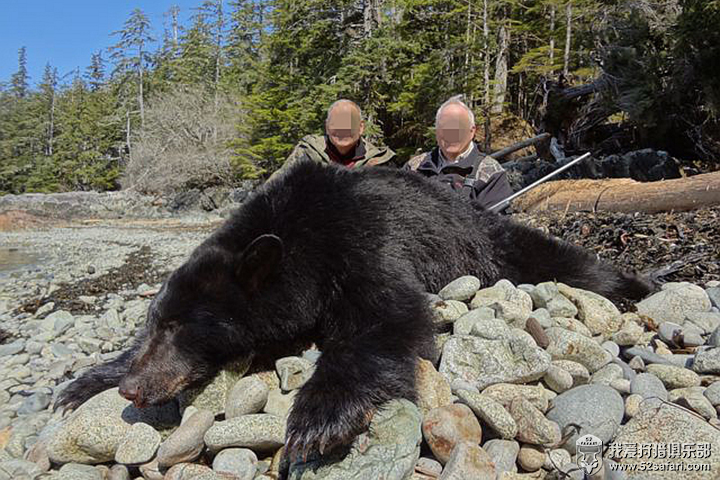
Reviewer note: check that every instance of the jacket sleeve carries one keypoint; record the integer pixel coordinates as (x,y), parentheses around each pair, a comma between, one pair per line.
(495,190)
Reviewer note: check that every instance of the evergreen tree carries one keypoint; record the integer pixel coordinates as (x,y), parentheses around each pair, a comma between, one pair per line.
(20,79)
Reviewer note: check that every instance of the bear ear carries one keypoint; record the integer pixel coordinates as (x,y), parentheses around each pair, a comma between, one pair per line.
(259,260)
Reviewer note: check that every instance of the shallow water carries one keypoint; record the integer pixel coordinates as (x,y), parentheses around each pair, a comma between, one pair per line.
(12,258)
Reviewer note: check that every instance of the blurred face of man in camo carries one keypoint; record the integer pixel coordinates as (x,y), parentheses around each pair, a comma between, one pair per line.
(344,127)
(454,131)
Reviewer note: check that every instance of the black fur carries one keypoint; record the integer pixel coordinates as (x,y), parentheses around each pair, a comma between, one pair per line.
(341,258)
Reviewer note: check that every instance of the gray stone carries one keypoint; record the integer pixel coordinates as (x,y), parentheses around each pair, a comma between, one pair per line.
(447,311)
(607,374)
(12,348)
(712,393)
(531,458)
(533,426)
(597,409)
(259,431)
(512,305)
(490,412)
(432,389)
(19,469)
(119,472)
(93,432)
(707,361)
(693,398)
(428,466)
(293,372)
(713,294)
(629,334)
(248,395)
(139,445)
(543,293)
(674,302)
(505,393)
(665,424)
(388,450)
(598,313)
(240,463)
(612,347)
(461,289)
(556,458)
(279,403)
(503,454)
(558,379)
(706,322)
(465,325)
(58,322)
(543,317)
(649,356)
(468,460)
(511,357)
(75,471)
(213,396)
(637,363)
(648,386)
(191,471)
(560,306)
(578,371)
(36,402)
(674,377)
(187,441)
(567,345)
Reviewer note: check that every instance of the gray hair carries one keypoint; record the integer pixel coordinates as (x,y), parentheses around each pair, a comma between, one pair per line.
(340,102)
(456,100)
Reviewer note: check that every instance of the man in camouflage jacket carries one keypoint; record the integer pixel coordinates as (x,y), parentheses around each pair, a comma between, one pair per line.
(457,162)
(342,143)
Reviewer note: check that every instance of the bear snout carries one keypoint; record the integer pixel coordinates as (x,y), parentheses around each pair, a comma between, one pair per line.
(131,390)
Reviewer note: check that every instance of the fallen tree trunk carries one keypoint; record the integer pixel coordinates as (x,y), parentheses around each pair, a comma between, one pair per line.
(624,195)
(520,145)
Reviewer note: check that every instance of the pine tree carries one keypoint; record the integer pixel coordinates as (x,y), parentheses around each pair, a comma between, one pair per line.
(20,79)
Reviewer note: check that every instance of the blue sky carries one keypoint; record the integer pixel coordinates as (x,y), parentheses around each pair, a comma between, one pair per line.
(67,32)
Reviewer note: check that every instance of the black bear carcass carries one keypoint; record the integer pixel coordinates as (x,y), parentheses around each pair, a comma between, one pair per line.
(342,258)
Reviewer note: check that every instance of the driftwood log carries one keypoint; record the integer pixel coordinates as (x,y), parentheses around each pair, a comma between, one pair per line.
(624,195)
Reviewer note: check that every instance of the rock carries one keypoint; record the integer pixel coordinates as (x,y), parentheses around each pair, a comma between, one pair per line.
(388,450)
(557,379)
(578,371)
(713,294)
(58,322)
(611,347)
(712,393)
(542,316)
(536,331)
(186,443)
(632,404)
(428,466)
(598,313)
(666,424)
(239,463)
(503,454)
(19,469)
(433,390)
(707,361)
(248,395)
(36,402)
(466,324)
(505,393)
(674,377)
(280,403)
(693,398)
(293,372)
(511,357)
(151,471)
(706,322)
(511,304)
(556,458)
(629,334)
(93,432)
(622,385)
(139,445)
(531,458)
(447,311)
(213,396)
(12,348)
(607,374)
(532,425)
(597,409)
(490,412)
(461,289)
(119,472)
(191,471)
(445,427)
(648,356)
(258,431)
(674,302)
(648,386)
(669,332)
(75,471)
(468,460)
(637,363)
(567,345)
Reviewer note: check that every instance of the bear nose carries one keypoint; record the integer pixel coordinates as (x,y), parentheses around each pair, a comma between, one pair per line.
(130,390)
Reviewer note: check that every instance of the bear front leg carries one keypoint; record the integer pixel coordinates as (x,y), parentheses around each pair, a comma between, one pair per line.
(351,380)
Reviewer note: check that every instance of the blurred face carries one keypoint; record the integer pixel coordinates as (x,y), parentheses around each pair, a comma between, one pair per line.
(344,127)
(454,132)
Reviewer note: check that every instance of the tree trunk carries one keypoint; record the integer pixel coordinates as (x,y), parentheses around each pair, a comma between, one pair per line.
(486,47)
(624,195)
(501,70)
(552,35)
(140,88)
(51,127)
(568,38)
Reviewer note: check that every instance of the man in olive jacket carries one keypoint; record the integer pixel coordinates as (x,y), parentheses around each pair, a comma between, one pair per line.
(342,143)
(457,162)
